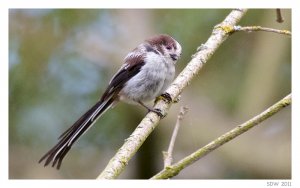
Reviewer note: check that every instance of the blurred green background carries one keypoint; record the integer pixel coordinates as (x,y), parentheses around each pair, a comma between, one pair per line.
(60,61)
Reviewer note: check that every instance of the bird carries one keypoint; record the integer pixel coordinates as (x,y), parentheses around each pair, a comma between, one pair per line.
(146,73)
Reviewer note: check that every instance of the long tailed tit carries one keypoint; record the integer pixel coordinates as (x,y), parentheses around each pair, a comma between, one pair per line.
(146,73)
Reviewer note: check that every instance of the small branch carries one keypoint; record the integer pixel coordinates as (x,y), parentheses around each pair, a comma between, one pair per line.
(279,16)
(168,159)
(118,163)
(259,28)
(173,170)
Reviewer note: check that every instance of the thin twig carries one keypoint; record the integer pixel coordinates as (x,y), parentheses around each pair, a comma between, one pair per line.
(118,163)
(168,155)
(259,28)
(174,169)
(279,17)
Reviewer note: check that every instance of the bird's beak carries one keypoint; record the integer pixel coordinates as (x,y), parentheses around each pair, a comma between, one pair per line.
(174,57)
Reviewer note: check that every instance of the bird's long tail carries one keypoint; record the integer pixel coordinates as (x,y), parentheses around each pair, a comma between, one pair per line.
(67,139)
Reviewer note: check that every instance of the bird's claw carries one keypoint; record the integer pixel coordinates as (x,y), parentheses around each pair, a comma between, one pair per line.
(158,112)
(166,97)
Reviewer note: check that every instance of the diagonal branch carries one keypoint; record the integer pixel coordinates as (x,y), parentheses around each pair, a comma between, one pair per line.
(173,170)
(118,163)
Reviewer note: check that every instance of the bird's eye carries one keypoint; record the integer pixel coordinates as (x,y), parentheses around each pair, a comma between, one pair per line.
(169,47)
